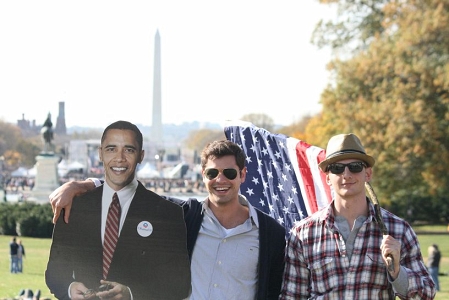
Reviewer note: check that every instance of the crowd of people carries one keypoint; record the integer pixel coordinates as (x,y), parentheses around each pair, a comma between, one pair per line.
(18,184)
(236,251)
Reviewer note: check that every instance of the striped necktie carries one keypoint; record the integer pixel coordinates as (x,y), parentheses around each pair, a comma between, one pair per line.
(111,234)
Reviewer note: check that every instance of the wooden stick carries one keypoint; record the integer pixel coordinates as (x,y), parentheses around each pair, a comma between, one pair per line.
(380,221)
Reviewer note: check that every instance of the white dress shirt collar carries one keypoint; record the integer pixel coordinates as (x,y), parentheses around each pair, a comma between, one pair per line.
(243,201)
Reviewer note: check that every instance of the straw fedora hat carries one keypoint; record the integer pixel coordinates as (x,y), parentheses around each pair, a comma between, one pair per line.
(344,146)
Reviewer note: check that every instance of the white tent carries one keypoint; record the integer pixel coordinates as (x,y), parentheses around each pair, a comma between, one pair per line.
(75,166)
(20,172)
(32,172)
(147,171)
(177,171)
(62,168)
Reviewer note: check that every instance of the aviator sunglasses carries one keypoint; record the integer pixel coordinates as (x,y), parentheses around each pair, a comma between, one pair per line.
(354,167)
(212,173)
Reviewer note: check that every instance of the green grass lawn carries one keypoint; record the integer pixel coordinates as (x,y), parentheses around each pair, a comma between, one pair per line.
(34,265)
(37,251)
(442,240)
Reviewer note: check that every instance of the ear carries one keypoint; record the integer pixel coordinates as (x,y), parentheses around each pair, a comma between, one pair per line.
(368,174)
(328,180)
(99,154)
(203,175)
(142,155)
(243,175)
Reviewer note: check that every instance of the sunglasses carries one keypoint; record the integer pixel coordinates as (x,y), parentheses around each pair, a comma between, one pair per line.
(354,167)
(212,173)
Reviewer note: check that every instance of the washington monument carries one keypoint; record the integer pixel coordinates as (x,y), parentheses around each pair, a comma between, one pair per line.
(156,127)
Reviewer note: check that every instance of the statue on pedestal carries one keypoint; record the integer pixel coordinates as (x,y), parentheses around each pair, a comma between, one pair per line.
(47,178)
(47,135)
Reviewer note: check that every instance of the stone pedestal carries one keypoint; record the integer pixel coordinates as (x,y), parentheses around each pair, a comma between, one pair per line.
(46,180)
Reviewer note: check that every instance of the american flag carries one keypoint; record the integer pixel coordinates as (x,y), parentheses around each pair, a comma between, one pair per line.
(283,178)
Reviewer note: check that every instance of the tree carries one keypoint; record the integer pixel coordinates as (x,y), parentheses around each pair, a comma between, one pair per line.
(28,152)
(260,120)
(356,23)
(395,95)
(297,129)
(10,135)
(198,139)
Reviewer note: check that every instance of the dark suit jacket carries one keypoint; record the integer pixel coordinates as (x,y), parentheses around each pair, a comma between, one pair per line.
(154,267)
(271,246)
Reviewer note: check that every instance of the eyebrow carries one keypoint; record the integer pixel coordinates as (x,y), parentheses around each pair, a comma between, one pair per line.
(131,146)
(126,146)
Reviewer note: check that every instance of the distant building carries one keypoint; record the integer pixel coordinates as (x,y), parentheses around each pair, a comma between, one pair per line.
(28,128)
(60,128)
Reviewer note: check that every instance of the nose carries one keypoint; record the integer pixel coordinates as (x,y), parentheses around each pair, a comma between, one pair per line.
(219,177)
(346,172)
(120,156)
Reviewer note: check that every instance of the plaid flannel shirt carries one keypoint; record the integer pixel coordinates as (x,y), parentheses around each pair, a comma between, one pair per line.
(317,266)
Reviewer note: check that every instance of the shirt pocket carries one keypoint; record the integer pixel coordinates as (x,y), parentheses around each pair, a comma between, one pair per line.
(321,273)
(244,261)
(374,272)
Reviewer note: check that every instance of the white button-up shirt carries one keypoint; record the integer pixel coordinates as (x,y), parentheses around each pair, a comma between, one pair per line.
(225,261)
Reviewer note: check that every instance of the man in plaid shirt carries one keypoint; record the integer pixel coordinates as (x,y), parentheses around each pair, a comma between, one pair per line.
(340,252)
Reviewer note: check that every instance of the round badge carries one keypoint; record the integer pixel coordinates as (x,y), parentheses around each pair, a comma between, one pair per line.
(144,228)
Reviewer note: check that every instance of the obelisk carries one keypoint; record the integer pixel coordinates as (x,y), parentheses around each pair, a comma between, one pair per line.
(156,127)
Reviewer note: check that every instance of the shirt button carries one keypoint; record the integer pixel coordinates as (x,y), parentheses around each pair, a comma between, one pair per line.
(215,285)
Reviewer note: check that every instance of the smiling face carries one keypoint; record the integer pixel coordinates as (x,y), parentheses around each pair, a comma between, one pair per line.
(223,190)
(120,154)
(347,184)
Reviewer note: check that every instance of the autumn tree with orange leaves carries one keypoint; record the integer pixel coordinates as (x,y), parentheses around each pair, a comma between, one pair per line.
(392,90)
